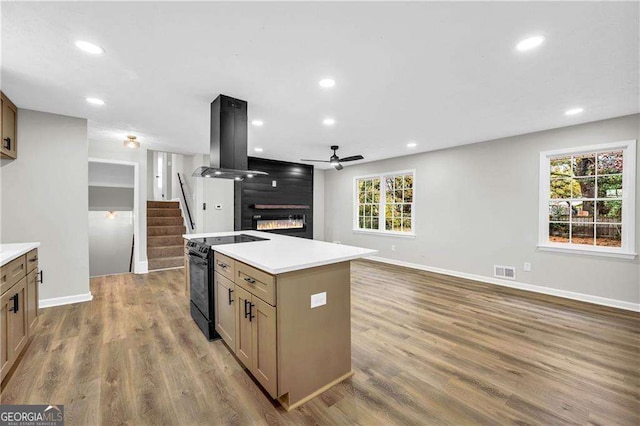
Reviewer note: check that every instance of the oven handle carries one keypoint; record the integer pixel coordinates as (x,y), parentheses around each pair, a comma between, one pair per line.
(197,259)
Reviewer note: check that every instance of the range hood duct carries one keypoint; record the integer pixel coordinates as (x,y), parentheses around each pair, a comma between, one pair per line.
(228,149)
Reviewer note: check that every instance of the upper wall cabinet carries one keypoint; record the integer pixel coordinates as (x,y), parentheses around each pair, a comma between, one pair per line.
(9,126)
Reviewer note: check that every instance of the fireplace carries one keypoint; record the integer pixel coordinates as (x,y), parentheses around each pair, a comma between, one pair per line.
(292,222)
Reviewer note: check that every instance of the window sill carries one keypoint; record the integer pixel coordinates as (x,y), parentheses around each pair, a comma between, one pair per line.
(385,233)
(600,251)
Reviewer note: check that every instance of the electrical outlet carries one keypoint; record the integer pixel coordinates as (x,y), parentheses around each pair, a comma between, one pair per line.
(393,248)
(527,266)
(274,183)
(318,299)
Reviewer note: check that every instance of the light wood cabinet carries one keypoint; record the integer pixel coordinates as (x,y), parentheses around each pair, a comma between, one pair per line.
(18,308)
(263,345)
(32,299)
(243,327)
(225,309)
(9,128)
(15,328)
(256,338)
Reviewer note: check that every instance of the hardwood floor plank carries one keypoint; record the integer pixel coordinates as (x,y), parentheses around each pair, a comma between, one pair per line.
(426,349)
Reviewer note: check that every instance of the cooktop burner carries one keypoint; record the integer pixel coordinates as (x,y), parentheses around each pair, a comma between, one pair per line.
(228,239)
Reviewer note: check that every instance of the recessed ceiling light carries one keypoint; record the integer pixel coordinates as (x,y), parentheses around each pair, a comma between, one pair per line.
(327,83)
(573,111)
(257,122)
(412,145)
(258,149)
(530,43)
(91,48)
(95,101)
(328,121)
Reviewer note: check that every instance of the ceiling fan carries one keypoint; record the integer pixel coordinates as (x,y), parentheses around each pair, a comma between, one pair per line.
(335,161)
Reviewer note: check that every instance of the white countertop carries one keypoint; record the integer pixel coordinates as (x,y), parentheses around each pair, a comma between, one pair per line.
(8,252)
(283,253)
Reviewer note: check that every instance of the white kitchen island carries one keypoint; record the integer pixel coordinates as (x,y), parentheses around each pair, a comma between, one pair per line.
(283,306)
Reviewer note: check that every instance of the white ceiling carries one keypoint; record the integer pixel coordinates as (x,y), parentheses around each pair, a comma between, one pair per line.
(440,74)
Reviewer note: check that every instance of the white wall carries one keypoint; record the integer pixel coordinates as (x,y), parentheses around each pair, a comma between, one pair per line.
(110,242)
(117,152)
(44,198)
(477,205)
(318,204)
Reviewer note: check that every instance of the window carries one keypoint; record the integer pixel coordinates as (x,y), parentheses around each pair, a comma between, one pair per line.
(587,200)
(384,203)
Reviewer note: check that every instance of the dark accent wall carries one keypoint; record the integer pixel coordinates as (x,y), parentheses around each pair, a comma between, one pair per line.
(294,185)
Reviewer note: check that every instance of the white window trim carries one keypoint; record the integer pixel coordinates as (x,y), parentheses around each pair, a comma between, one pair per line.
(627,251)
(381,231)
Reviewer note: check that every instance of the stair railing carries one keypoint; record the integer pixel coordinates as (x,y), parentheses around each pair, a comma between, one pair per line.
(186,203)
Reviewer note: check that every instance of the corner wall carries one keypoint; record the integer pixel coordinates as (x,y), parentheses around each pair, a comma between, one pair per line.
(477,205)
(45,199)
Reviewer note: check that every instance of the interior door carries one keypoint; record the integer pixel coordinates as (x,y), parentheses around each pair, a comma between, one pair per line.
(218,197)
(225,312)
(243,326)
(158,173)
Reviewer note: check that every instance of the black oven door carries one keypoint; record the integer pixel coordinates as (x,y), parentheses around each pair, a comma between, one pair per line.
(199,275)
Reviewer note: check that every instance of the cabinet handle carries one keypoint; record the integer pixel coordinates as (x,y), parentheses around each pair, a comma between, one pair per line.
(35,259)
(251,316)
(41,280)
(246,314)
(16,305)
(8,142)
(250,280)
(222,265)
(230,298)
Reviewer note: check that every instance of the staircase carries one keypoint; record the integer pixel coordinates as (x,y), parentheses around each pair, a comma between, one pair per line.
(165,228)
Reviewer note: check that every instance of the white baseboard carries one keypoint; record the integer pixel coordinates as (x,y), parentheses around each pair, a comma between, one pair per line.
(141,267)
(621,304)
(66,300)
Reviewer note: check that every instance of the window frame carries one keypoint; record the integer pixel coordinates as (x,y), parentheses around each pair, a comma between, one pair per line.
(382,204)
(628,247)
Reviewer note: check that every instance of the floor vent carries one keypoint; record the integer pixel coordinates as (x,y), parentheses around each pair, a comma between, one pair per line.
(508,272)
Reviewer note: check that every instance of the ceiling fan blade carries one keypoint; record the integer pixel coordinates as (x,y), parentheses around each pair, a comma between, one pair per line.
(317,161)
(353,158)
(339,166)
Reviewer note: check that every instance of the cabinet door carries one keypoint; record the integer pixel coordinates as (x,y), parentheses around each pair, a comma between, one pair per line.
(8,127)
(243,326)
(32,300)
(225,312)
(264,363)
(6,306)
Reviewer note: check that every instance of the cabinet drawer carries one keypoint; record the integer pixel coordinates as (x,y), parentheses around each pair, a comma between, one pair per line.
(256,282)
(12,272)
(32,260)
(224,265)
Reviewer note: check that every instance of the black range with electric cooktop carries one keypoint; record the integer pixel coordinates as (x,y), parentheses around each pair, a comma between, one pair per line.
(201,274)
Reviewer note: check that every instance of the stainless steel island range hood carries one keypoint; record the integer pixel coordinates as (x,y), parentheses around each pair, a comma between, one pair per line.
(228,149)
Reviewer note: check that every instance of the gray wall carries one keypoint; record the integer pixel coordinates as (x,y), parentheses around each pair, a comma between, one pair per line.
(110,242)
(477,205)
(104,198)
(116,151)
(44,198)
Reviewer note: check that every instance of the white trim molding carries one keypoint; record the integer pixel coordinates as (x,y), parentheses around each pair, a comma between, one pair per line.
(141,267)
(65,300)
(628,247)
(614,303)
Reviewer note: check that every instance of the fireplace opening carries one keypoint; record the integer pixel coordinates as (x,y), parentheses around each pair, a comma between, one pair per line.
(271,223)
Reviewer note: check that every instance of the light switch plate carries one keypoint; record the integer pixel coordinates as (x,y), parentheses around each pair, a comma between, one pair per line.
(318,299)
(274,183)
(218,206)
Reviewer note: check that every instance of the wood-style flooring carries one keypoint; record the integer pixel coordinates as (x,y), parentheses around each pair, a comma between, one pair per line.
(427,349)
